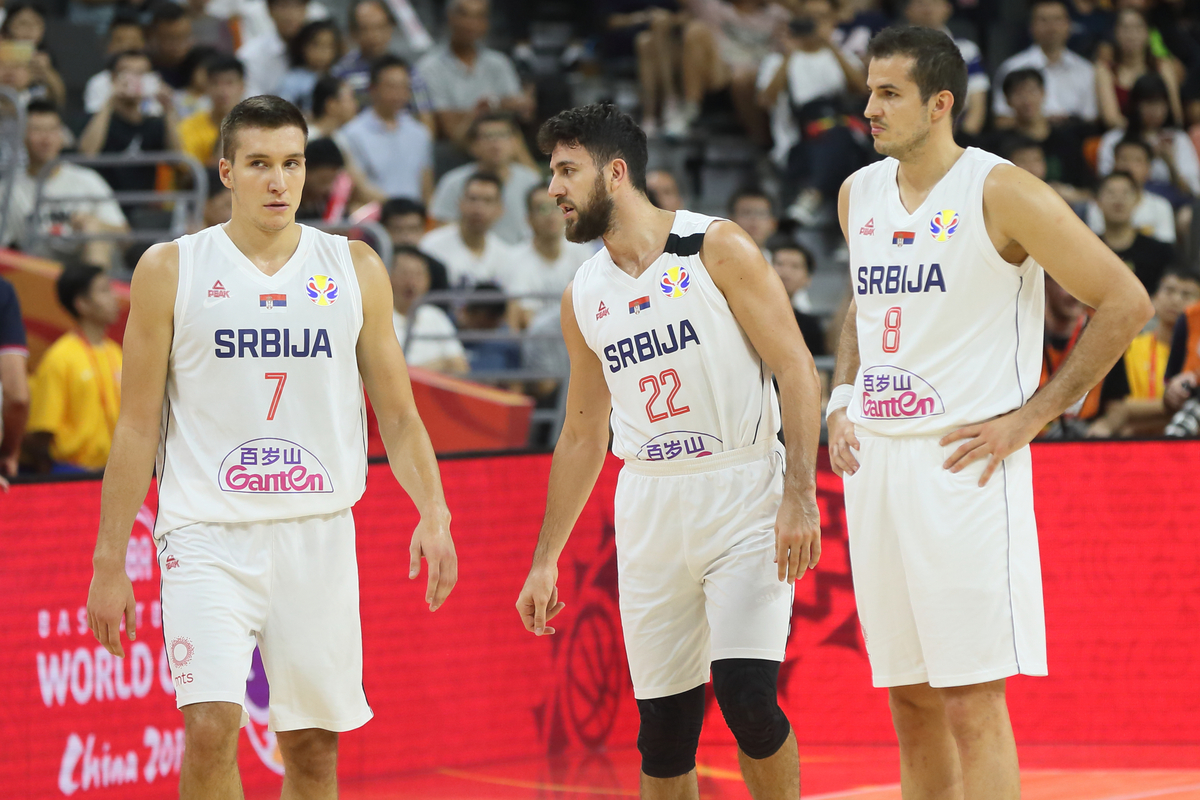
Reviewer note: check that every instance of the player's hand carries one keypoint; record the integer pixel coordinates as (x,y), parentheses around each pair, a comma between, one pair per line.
(797,535)
(431,541)
(539,602)
(841,440)
(110,599)
(994,440)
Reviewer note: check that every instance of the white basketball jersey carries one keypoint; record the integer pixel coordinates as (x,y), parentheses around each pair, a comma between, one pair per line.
(264,415)
(949,333)
(684,378)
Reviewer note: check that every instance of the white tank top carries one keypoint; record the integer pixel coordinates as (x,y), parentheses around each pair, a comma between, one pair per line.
(949,333)
(264,415)
(684,378)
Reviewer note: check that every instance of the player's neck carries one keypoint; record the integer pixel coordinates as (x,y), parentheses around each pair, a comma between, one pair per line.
(638,234)
(267,250)
(921,169)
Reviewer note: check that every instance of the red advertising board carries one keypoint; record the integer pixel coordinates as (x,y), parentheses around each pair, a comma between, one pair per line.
(468,684)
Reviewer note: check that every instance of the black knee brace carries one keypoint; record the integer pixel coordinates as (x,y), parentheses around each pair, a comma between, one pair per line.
(670,733)
(746,691)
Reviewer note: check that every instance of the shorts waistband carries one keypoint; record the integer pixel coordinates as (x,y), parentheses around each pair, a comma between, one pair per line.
(695,466)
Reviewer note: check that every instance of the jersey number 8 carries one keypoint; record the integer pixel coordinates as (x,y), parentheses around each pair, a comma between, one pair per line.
(891,330)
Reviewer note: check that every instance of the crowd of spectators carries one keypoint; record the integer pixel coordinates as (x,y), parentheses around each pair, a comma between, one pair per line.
(422,112)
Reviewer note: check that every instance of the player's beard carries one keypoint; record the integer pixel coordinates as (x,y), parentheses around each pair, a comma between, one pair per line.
(902,149)
(594,219)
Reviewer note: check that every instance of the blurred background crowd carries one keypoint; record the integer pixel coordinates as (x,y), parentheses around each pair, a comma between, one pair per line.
(422,115)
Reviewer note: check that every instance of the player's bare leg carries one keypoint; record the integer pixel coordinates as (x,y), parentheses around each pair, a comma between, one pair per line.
(775,777)
(929,766)
(309,764)
(978,718)
(209,770)
(683,787)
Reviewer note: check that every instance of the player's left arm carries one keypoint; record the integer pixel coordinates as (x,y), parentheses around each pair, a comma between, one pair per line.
(410,453)
(760,304)
(1025,216)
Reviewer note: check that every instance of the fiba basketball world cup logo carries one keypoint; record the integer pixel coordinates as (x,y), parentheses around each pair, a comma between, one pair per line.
(943,225)
(674,281)
(322,290)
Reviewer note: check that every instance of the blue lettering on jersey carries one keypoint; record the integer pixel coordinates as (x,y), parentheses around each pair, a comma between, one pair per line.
(894,279)
(647,345)
(271,343)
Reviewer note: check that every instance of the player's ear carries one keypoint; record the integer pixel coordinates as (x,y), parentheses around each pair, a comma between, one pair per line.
(943,104)
(224,167)
(616,172)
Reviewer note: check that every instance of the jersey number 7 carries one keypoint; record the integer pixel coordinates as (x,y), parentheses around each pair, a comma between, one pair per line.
(282,378)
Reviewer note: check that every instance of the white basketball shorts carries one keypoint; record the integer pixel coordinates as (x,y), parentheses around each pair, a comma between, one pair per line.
(946,573)
(696,571)
(289,586)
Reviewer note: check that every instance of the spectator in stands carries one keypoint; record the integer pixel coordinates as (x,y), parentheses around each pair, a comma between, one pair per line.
(125,124)
(266,56)
(200,133)
(25,21)
(208,30)
(193,97)
(801,83)
(333,106)
(1175,170)
(393,149)
(16,72)
(663,190)
(935,14)
(858,21)
(1070,79)
(794,265)
(219,207)
(471,252)
(481,314)
(406,224)
(723,47)
(1132,394)
(647,30)
(434,344)
(545,264)
(1132,58)
(125,34)
(327,188)
(752,209)
(312,53)
(1061,142)
(463,79)
(58,215)
(1145,255)
(76,392)
(1031,157)
(168,42)
(372,27)
(1153,214)
(14,383)
(1066,318)
(1183,366)
(493,141)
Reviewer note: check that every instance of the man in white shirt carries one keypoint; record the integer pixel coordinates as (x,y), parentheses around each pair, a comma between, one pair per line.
(471,252)
(1070,78)
(43,144)
(265,56)
(492,140)
(547,263)
(434,343)
(1153,214)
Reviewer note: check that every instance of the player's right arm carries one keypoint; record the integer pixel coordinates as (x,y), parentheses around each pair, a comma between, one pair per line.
(147,349)
(578,458)
(841,429)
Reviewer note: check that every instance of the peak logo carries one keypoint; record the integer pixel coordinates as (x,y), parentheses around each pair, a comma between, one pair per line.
(892,393)
(273,466)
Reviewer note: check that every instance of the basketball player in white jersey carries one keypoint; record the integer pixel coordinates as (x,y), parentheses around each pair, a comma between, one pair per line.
(934,407)
(245,355)
(675,328)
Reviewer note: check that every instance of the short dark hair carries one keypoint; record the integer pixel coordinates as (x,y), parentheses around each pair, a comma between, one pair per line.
(1135,141)
(781,241)
(352,21)
(387,62)
(75,282)
(1015,142)
(222,63)
(749,192)
(323,153)
(306,34)
(937,62)
(605,132)
(408,250)
(484,119)
(124,17)
(1018,76)
(264,111)
(17,7)
(1182,273)
(116,58)
(324,90)
(166,11)
(197,57)
(1033,4)
(492,308)
(42,106)
(1115,175)
(400,207)
(485,177)
(534,191)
